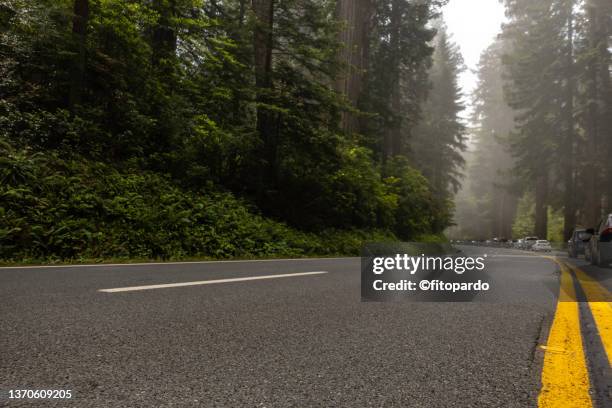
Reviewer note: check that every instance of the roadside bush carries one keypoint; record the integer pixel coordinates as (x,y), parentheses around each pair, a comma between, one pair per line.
(51,208)
(416,212)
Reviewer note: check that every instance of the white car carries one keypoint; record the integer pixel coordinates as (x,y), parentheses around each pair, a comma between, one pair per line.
(528,242)
(541,245)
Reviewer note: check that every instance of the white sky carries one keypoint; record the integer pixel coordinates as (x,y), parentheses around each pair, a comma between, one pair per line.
(473,25)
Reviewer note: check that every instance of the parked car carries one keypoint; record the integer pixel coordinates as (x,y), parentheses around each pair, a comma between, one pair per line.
(578,242)
(599,248)
(528,242)
(541,245)
(503,242)
(518,244)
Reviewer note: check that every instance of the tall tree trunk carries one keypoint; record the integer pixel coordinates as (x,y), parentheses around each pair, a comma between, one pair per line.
(164,36)
(80,20)
(503,212)
(262,42)
(262,47)
(163,41)
(569,209)
(391,142)
(511,206)
(396,108)
(354,37)
(499,214)
(368,27)
(541,206)
(241,13)
(603,14)
(592,170)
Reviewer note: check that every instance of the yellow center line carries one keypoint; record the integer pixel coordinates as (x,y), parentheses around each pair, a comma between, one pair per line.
(600,302)
(565,377)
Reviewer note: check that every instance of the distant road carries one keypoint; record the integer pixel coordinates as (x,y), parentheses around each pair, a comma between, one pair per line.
(275,333)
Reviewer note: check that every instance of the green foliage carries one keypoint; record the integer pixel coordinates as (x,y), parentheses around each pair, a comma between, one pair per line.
(141,135)
(439,139)
(71,209)
(525,220)
(557,64)
(486,205)
(555,225)
(401,50)
(417,210)
(525,217)
(534,91)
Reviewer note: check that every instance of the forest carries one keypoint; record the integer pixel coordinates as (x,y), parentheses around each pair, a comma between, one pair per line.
(540,162)
(175,129)
(178,129)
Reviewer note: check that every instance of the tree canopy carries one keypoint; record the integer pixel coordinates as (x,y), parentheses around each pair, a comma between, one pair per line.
(102,99)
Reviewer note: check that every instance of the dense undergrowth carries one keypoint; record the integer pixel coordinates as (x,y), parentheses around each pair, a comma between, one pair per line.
(69,210)
(145,130)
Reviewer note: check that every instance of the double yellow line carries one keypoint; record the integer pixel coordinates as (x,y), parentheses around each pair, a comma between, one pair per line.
(565,376)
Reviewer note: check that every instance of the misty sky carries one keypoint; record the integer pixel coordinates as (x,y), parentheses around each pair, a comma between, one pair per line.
(473,25)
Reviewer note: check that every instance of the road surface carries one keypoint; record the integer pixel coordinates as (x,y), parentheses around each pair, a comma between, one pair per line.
(254,338)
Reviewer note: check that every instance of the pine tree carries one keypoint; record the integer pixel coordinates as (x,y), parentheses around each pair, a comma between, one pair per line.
(488,202)
(354,36)
(397,80)
(440,137)
(594,106)
(535,92)
(232,97)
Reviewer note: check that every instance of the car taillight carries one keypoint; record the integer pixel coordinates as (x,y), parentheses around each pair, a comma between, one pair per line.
(606,235)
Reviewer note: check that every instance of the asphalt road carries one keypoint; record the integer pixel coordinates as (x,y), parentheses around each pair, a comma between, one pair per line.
(296,341)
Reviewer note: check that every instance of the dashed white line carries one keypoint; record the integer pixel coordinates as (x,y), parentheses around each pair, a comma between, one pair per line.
(208,282)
